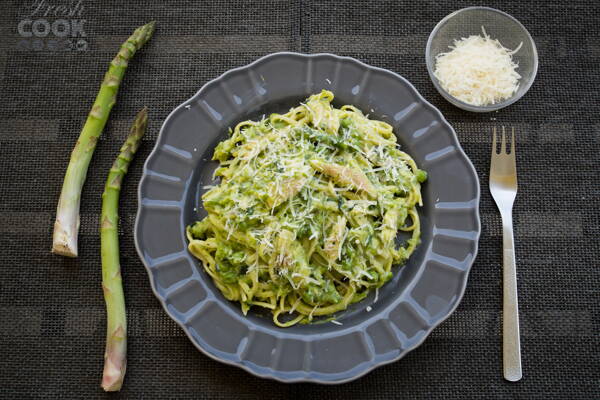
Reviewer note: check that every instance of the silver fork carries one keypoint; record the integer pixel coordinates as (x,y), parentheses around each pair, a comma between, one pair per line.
(503,186)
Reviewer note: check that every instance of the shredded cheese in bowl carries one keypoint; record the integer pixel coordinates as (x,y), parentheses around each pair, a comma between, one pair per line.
(478,70)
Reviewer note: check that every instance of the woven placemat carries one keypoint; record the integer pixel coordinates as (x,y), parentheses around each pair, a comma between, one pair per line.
(52,310)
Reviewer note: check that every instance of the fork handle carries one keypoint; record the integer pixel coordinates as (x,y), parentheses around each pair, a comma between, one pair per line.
(511,342)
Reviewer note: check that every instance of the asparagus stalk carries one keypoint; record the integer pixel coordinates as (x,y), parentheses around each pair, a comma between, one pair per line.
(115,355)
(66,226)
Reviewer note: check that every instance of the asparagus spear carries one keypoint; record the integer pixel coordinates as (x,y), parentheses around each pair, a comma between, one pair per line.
(66,225)
(115,355)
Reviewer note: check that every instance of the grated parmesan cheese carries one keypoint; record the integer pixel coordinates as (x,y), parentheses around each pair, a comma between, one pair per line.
(478,70)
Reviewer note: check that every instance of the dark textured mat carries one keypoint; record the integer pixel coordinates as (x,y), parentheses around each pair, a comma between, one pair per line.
(52,311)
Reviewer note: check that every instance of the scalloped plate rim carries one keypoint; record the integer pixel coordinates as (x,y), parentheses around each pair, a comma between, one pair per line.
(364,367)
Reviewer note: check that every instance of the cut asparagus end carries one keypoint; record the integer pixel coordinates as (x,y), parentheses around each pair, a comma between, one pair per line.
(115,361)
(63,243)
(112,380)
(66,226)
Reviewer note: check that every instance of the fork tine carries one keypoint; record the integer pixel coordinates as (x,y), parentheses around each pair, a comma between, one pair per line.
(494,141)
(503,142)
(512,143)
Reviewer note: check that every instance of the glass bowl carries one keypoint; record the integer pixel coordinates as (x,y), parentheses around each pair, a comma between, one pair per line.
(498,25)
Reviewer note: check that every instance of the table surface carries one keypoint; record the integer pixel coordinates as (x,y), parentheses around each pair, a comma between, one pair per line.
(51,308)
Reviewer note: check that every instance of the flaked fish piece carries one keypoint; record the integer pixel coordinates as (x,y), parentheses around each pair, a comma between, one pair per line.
(346,176)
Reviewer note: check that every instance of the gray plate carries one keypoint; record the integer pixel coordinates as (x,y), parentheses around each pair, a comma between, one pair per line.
(420,296)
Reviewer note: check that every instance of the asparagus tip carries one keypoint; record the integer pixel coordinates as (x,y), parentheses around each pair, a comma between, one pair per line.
(148,29)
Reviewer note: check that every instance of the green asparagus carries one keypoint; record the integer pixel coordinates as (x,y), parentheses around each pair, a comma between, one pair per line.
(115,355)
(66,226)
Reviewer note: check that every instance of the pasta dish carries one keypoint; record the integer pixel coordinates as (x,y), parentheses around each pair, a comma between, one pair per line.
(305,217)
